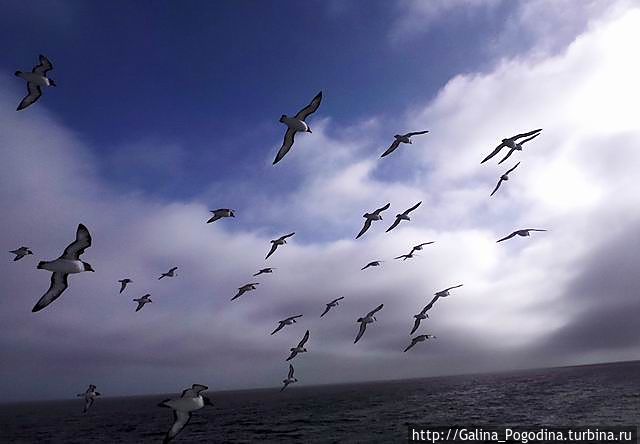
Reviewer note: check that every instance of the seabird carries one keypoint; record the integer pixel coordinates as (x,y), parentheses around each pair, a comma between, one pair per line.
(512,144)
(143,300)
(504,177)
(264,270)
(419,246)
(21,252)
(296,124)
(36,79)
(331,304)
(66,264)
(89,396)
(423,314)
(191,400)
(290,379)
(123,283)
(281,324)
(171,273)
(300,348)
(417,339)
(372,264)
(220,213)
(369,318)
(247,287)
(446,292)
(401,138)
(404,257)
(524,233)
(370,217)
(277,242)
(403,216)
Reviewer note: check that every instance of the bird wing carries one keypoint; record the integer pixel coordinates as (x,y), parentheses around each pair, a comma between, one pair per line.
(506,237)
(412,208)
(214,218)
(180,420)
(278,328)
(517,136)
(451,288)
(410,345)
(430,304)
(402,256)
(140,305)
(310,108)
(173,269)
(293,317)
(43,67)
(58,285)
(292,355)
(305,338)
(287,236)
(363,327)
(534,229)
(494,152)
(375,310)
(365,227)
(18,256)
(415,133)
(338,299)
(392,148)
(77,247)
(197,388)
(122,286)
(88,403)
(529,138)
(395,224)
(273,249)
(514,167)
(290,371)
(33,94)
(507,156)
(367,266)
(416,324)
(381,209)
(287,143)
(241,291)
(496,188)
(326,310)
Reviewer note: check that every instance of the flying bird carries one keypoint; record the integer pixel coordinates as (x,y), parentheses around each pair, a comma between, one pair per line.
(191,400)
(142,301)
(281,324)
(504,177)
(417,339)
(372,264)
(370,217)
(423,314)
(404,257)
(512,144)
(220,213)
(296,124)
(264,270)
(368,319)
(89,396)
(247,287)
(36,79)
(524,233)
(403,216)
(277,242)
(171,273)
(21,252)
(300,348)
(123,283)
(66,264)
(401,138)
(446,292)
(420,246)
(290,379)
(330,305)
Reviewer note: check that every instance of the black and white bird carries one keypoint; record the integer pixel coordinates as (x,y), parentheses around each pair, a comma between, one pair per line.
(419,338)
(419,247)
(36,79)
(404,257)
(281,324)
(401,138)
(68,263)
(423,314)
(123,283)
(290,379)
(277,242)
(504,177)
(89,396)
(525,232)
(372,264)
(171,273)
(264,270)
(370,217)
(513,144)
(300,348)
(447,291)
(403,216)
(142,301)
(367,319)
(331,304)
(183,407)
(220,213)
(21,252)
(296,124)
(246,287)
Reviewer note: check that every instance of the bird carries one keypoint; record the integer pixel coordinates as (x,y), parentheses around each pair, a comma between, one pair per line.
(277,242)
(419,338)
(36,79)
(504,177)
(89,396)
(370,217)
(290,379)
(143,300)
(281,324)
(512,144)
(66,264)
(525,232)
(21,252)
(401,138)
(372,264)
(123,283)
(247,287)
(183,407)
(220,213)
(420,246)
(264,270)
(171,273)
(404,257)
(330,305)
(296,124)
(300,348)
(446,292)
(368,319)
(423,314)
(403,216)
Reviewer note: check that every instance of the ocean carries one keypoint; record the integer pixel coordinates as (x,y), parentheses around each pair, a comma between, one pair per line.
(605,394)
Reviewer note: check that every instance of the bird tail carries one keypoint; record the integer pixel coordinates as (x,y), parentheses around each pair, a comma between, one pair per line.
(17,73)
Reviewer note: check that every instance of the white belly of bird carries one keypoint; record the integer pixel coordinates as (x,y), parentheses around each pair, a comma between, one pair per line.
(34,78)
(296,124)
(64,266)
(186,404)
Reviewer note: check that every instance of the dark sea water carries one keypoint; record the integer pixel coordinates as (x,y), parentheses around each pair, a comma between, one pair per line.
(606,394)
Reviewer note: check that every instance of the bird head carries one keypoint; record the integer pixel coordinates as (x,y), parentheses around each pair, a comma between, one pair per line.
(295,379)
(52,82)
(309,129)
(17,73)
(304,349)
(87,267)
(282,117)
(359,320)
(29,252)
(232,213)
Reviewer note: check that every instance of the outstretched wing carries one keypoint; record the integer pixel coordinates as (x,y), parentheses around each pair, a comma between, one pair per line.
(430,304)
(241,291)
(507,156)
(451,288)
(140,305)
(365,227)
(77,247)
(381,209)
(363,327)
(375,310)
(33,94)
(494,152)
(43,67)
(395,224)
(287,143)
(123,285)
(290,371)
(413,208)
(58,285)
(392,148)
(326,310)
(514,167)
(507,237)
(534,229)
(496,188)
(214,218)
(287,236)
(273,249)
(416,324)
(310,108)
(517,136)
(180,420)
(415,133)
(278,328)
(410,345)
(529,138)
(305,338)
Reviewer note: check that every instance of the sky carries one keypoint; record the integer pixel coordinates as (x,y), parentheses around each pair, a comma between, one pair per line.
(164,111)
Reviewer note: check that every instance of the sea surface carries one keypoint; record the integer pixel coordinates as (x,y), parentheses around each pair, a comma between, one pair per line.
(606,394)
